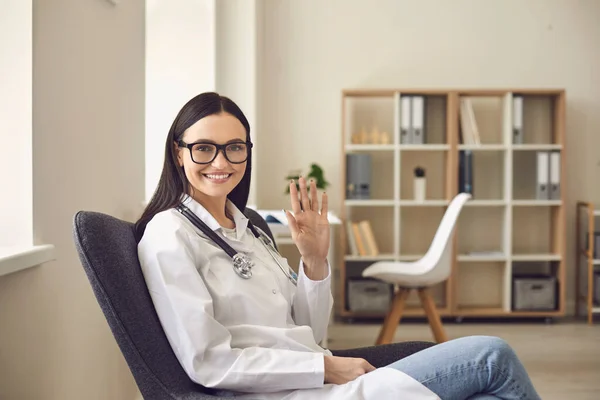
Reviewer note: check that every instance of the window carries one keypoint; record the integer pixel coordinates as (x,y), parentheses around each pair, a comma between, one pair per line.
(16,214)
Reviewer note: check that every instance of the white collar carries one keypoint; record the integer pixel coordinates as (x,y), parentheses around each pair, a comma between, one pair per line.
(241,222)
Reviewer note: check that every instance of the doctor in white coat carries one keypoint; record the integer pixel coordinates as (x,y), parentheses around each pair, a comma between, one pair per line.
(237,316)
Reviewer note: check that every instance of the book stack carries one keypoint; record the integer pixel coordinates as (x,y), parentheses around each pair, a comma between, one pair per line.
(469,136)
(468,124)
(412,120)
(361,239)
(548,175)
(465,172)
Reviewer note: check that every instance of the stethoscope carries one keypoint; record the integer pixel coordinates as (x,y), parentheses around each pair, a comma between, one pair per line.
(242,264)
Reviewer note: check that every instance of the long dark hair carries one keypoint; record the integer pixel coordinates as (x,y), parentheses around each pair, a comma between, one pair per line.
(173,182)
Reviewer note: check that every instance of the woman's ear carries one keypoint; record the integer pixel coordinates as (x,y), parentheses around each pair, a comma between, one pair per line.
(178,154)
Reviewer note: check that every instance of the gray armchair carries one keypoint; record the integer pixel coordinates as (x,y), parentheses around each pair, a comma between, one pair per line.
(108,252)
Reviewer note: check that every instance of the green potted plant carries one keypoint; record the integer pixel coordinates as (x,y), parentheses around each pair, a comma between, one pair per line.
(316,173)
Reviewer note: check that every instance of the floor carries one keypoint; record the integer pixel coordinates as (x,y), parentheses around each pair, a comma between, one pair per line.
(562,358)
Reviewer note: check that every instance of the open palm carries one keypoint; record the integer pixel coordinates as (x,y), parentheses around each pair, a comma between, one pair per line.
(309,225)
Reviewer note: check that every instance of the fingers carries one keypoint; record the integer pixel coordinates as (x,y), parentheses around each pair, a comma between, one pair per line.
(369,367)
(294,198)
(366,366)
(304,194)
(292,224)
(324,205)
(314,200)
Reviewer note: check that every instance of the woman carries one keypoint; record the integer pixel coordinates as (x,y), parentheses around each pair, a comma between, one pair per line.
(254,328)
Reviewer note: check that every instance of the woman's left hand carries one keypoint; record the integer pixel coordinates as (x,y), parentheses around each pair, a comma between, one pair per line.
(310,228)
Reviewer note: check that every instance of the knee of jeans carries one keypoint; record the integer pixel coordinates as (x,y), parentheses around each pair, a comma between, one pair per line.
(495,345)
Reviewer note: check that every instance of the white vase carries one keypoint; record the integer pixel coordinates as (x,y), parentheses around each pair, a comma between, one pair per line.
(419,189)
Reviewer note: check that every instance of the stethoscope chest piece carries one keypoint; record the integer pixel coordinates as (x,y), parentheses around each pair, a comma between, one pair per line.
(242,265)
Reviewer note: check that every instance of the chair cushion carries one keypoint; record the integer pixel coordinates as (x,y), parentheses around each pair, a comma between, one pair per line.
(385,354)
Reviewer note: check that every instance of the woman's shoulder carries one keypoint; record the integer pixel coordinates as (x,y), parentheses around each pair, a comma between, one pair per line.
(166,223)
(165,219)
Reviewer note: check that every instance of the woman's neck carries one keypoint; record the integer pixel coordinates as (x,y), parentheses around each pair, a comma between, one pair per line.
(216,206)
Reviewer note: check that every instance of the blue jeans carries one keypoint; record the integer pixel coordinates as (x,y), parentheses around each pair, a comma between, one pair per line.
(473,367)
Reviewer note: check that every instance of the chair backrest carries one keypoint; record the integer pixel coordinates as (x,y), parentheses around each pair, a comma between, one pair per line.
(108,252)
(439,254)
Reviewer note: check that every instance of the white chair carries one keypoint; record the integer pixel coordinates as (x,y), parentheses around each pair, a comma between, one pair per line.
(434,267)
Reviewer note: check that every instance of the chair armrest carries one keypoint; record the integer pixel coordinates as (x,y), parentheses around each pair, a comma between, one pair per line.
(385,354)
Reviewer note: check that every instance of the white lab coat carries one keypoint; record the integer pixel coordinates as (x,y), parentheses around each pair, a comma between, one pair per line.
(257,336)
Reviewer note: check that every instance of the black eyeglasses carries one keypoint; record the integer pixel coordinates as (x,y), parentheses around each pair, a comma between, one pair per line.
(205,153)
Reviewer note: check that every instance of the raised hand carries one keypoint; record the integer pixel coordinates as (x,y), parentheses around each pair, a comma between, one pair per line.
(310,228)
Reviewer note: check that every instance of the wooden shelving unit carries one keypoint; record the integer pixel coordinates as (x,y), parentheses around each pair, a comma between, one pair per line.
(584,283)
(501,231)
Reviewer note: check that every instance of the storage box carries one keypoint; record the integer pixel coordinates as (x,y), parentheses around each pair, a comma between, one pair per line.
(369,295)
(534,293)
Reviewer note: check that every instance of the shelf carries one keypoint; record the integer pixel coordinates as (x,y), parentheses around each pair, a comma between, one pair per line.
(522,203)
(475,241)
(370,147)
(584,253)
(536,147)
(369,203)
(485,203)
(426,203)
(482,147)
(536,257)
(424,147)
(535,313)
(410,257)
(475,311)
(407,312)
(489,172)
(380,257)
(499,312)
(503,231)
(493,257)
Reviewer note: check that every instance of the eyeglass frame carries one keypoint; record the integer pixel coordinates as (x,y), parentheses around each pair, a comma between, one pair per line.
(220,147)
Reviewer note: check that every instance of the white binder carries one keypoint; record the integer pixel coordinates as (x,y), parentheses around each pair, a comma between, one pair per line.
(418,120)
(405,121)
(518,120)
(554,175)
(542,175)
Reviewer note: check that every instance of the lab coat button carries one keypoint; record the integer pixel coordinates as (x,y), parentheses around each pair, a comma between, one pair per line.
(274,291)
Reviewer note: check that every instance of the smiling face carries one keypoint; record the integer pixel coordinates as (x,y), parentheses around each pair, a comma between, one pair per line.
(219,177)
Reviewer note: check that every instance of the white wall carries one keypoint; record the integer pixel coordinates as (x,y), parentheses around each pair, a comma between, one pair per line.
(239,25)
(88,122)
(193,46)
(313,49)
(15,123)
(180,63)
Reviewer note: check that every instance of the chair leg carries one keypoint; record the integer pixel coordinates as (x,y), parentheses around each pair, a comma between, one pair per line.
(392,319)
(432,315)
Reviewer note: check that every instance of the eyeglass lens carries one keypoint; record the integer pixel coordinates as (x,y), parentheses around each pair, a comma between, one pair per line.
(205,152)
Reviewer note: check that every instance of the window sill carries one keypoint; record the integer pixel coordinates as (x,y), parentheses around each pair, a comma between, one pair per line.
(13,259)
